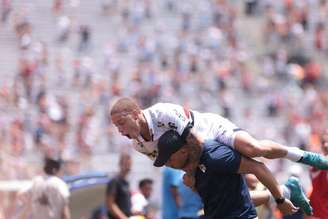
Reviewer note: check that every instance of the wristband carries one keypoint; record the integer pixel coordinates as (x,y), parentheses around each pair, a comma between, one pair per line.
(280,200)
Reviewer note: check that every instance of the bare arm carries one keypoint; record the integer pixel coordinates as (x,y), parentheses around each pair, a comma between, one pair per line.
(113,208)
(66,212)
(265,176)
(176,196)
(262,173)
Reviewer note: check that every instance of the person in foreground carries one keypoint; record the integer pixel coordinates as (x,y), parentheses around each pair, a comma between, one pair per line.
(220,182)
(146,126)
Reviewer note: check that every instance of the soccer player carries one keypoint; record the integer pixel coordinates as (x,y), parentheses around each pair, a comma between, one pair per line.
(319,196)
(146,126)
(219,179)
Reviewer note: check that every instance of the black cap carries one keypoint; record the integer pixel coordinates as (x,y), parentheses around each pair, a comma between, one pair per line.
(169,143)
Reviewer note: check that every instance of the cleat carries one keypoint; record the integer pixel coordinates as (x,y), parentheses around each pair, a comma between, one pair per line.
(314,159)
(297,195)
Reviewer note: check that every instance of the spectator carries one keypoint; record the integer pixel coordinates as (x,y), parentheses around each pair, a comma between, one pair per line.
(170,195)
(5,11)
(177,53)
(140,198)
(118,198)
(191,204)
(85,35)
(82,132)
(57,6)
(47,198)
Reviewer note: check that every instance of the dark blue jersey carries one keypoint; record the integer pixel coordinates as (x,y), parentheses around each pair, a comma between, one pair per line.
(223,191)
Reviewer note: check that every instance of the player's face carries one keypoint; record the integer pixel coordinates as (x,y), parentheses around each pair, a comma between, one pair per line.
(179,160)
(147,190)
(127,124)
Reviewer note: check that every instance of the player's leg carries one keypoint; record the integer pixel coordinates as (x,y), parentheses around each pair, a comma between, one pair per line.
(251,147)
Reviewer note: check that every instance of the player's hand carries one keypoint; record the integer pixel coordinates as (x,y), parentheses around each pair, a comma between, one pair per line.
(189,180)
(287,207)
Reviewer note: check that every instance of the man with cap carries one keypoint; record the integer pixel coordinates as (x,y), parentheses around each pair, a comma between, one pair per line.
(220,181)
(146,126)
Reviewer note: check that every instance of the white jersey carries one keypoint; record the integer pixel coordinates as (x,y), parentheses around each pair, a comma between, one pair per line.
(49,195)
(162,117)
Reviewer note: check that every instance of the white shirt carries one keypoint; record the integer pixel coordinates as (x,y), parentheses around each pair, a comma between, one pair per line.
(138,201)
(49,195)
(162,117)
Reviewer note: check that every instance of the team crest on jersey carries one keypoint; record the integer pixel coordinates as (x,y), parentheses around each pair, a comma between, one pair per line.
(179,115)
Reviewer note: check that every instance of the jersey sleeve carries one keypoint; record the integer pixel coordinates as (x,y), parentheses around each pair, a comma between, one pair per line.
(172,117)
(174,176)
(64,190)
(225,132)
(223,159)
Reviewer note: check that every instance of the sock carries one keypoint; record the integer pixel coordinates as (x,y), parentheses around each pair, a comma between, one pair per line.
(294,153)
(285,192)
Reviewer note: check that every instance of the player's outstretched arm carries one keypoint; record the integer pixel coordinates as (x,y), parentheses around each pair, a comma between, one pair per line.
(114,209)
(264,175)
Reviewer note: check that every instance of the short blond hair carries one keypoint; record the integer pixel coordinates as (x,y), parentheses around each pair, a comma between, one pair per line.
(124,104)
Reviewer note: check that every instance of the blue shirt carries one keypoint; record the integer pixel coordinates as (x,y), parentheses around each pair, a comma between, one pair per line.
(191,203)
(171,178)
(224,192)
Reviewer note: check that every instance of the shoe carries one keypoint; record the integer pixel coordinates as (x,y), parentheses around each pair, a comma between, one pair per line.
(314,159)
(297,195)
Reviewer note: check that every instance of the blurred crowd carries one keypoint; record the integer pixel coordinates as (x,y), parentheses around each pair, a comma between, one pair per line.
(259,63)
